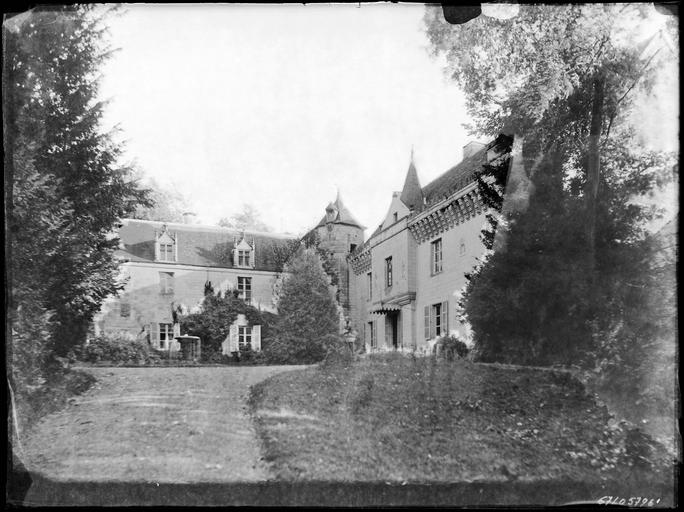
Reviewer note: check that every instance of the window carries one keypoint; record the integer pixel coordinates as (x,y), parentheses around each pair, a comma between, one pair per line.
(436,320)
(370,285)
(166,252)
(462,248)
(165,335)
(166,283)
(352,247)
(371,332)
(125,309)
(388,272)
(436,256)
(245,288)
(243,258)
(244,337)
(396,217)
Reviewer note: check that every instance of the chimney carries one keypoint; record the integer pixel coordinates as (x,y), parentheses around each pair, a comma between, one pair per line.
(471,148)
(189,217)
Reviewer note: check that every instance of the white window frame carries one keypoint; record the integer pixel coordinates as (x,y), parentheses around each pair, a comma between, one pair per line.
(245,288)
(243,258)
(388,272)
(244,336)
(165,334)
(167,252)
(436,256)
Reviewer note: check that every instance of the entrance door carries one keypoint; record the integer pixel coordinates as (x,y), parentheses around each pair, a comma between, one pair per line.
(394,319)
(392,330)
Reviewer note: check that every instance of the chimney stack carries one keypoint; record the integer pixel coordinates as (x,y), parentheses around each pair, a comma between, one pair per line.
(189,217)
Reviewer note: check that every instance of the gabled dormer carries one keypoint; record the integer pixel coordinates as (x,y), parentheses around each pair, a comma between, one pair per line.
(243,253)
(165,245)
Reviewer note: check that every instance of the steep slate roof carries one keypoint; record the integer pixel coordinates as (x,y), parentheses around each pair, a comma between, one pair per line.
(412,194)
(207,246)
(461,174)
(343,215)
(455,178)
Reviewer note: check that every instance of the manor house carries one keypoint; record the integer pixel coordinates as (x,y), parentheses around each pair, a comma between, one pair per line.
(398,289)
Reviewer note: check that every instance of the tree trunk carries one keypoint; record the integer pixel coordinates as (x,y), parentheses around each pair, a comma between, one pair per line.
(593,168)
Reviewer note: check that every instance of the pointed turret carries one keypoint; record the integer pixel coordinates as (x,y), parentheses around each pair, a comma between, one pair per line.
(338,213)
(412,194)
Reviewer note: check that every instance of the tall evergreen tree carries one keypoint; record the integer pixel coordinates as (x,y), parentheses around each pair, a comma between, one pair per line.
(67,186)
(308,317)
(563,79)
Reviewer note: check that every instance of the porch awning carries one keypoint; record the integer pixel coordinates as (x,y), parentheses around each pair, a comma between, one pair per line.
(384,309)
(392,304)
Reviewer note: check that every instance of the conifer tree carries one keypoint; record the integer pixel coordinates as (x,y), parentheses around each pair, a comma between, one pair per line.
(308,319)
(67,187)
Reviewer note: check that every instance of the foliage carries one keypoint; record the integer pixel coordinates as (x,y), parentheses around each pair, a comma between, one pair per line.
(451,347)
(249,219)
(308,321)
(533,74)
(564,79)
(117,350)
(212,323)
(167,205)
(66,185)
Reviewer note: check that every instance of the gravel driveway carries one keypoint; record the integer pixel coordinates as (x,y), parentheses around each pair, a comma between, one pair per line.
(155,425)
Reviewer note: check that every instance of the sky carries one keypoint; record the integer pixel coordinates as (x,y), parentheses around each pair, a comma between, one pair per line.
(280,106)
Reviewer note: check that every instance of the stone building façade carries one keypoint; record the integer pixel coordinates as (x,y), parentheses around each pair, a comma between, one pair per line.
(398,289)
(166,266)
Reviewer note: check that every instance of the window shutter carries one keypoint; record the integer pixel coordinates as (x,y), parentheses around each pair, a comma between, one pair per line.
(427,322)
(433,326)
(233,334)
(445,318)
(256,338)
(154,334)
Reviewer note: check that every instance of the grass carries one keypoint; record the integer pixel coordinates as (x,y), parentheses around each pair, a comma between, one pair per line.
(400,419)
(50,397)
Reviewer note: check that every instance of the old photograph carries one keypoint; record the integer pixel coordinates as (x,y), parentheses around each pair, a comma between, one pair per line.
(342,255)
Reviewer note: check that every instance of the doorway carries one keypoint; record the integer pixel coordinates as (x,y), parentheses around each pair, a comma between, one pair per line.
(392,330)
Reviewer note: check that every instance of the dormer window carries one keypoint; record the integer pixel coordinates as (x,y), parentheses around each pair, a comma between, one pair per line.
(166,252)
(243,254)
(166,245)
(243,258)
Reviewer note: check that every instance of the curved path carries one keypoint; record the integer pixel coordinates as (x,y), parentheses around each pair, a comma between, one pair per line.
(154,425)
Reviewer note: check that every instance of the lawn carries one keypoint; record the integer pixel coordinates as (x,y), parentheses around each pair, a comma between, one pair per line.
(395,418)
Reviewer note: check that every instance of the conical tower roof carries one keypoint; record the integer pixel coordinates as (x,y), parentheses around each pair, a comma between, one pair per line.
(412,193)
(342,214)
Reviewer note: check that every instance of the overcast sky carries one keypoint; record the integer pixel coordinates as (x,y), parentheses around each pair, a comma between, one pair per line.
(279,105)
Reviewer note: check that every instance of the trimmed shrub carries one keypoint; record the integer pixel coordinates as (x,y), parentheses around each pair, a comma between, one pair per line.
(118,350)
(451,347)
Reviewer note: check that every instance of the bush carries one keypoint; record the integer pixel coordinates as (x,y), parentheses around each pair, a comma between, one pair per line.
(338,352)
(308,319)
(451,347)
(118,350)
